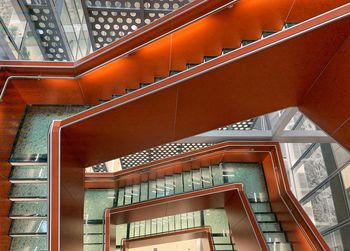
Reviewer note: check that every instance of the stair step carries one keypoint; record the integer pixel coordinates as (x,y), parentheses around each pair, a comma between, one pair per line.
(172,73)
(38,242)
(275,237)
(128,90)
(208,58)
(28,217)
(189,66)
(267,33)
(261,207)
(227,50)
(265,217)
(157,79)
(246,42)
(142,85)
(285,246)
(117,95)
(101,101)
(28,173)
(268,227)
(223,247)
(289,25)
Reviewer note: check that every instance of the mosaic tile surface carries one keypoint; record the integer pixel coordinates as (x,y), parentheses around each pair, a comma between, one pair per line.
(28,190)
(32,137)
(29,208)
(29,244)
(29,172)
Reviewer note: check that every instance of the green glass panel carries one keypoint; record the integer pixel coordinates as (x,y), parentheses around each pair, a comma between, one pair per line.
(29,191)
(32,138)
(160,188)
(270,227)
(128,195)
(187,178)
(152,189)
(197,179)
(120,197)
(178,182)
(169,185)
(29,172)
(95,202)
(29,208)
(216,171)
(207,179)
(30,226)
(136,193)
(251,175)
(275,237)
(29,243)
(144,191)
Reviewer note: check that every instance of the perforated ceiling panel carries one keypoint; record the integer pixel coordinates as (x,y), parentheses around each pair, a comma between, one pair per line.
(109,20)
(159,152)
(245,125)
(43,22)
(100,168)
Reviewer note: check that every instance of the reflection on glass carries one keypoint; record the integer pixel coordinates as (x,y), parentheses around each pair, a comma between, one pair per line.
(14,21)
(7,49)
(346,181)
(339,240)
(310,172)
(320,208)
(30,49)
(341,155)
(293,121)
(305,124)
(334,241)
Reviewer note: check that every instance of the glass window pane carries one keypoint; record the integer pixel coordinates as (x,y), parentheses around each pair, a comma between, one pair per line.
(320,208)
(96,200)
(339,240)
(296,150)
(341,155)
(346,181)
(310,172)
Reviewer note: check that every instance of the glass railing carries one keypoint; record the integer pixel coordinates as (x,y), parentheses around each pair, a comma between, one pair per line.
(38,243)
(215,219)
(31,144)
(29,209)
(250,174)
(28,190)
(19,173)
(29,227)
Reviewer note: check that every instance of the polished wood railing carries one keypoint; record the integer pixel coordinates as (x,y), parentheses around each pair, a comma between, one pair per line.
(197,100)
(301,232)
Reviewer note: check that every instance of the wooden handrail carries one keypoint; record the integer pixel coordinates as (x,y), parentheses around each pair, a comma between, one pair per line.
(126,45)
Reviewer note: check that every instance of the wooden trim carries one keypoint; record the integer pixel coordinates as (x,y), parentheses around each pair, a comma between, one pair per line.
(142,36)
(187,234)
(268,153)
(188,202)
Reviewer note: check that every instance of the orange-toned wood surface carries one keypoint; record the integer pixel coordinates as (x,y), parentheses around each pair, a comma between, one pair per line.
(223,196)
(327,101)
(299,229)
(188,45)
(183,16)
(162,238)
(204,98)
(274,78)
(11,112)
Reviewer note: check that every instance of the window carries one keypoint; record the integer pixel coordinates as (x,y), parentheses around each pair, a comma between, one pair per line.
(346,181)
(320,208)
(310,172)
(338,240)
